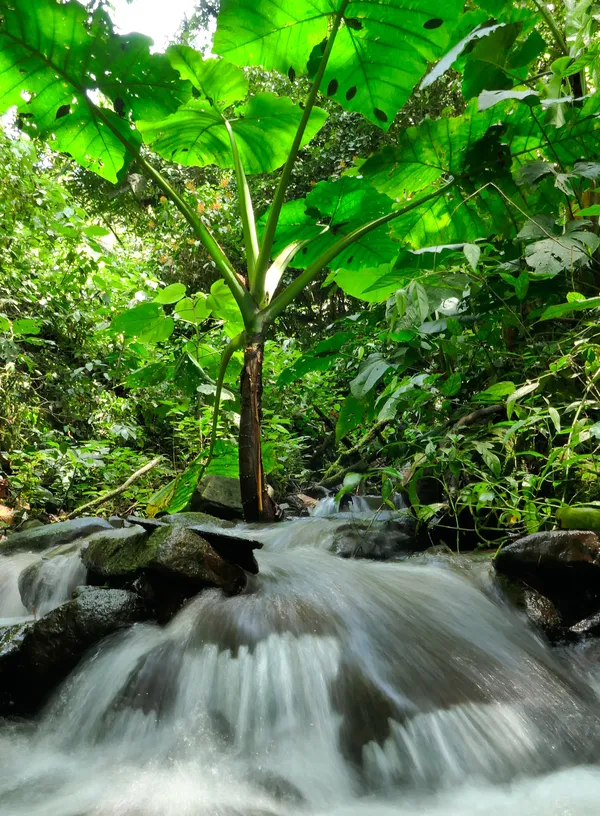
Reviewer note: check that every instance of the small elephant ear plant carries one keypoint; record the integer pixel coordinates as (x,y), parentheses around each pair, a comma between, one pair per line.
(109,103)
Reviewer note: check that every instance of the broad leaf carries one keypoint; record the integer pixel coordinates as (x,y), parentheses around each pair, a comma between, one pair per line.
(53,58)
(382,49)
(428,152)
(265,128)
(171,294)
(305,365)
(330,211)
(372,370)
(219,82)
(563,309)
(495,392)
(350,416)
(134,322)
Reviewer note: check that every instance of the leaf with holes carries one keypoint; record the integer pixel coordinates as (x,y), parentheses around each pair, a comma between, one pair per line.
(53,57)
(428,152)
(219,82)
(549,257)
(264,129)
(382,49)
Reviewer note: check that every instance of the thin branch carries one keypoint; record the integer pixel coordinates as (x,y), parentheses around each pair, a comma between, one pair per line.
(118,490)
(268,314)
(550,22)
(286,175)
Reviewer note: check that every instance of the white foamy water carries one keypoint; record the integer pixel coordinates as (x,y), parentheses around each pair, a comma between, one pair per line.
(330,687)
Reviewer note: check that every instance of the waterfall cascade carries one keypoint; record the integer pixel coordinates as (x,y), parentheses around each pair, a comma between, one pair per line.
(330,686)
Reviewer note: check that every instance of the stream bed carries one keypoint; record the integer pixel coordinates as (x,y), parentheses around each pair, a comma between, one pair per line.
(330,686)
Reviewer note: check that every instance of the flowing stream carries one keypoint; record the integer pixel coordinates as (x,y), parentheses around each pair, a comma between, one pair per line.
(330,687)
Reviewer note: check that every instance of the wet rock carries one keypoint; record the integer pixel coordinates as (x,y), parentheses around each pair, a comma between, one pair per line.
(377,539)
(171,553)
(588,626)
(117,522)
(35,656)
(116,553)
(219,496)
(52,535)
(236,549)
(181,553)
(149,525)
(543,614)
(564,566)
(277,786)
(31,524)
(196,519)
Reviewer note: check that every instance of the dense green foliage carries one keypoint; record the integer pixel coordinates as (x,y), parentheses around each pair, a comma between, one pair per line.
(438,264)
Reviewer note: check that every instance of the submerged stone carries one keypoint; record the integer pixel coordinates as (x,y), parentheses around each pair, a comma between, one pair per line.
(52,535)
(377,539)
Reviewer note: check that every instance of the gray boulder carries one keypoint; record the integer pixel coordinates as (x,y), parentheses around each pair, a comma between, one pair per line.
(171,553)
(564,566)
(220,496)
(236,549)
(35,656)
(191,519)
(116,553)
(52,535)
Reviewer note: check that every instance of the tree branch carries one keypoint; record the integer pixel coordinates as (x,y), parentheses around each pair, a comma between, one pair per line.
(118,490)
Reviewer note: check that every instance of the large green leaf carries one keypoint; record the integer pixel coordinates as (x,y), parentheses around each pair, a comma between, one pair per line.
(382,49)
(330,211)
(426,153)
(218,81)
(458,216)
(137,81)
(264,130)
(53,58)
(577,139)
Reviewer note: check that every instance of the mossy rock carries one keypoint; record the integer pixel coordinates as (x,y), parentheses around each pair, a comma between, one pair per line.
(117,553)
(190,519)
(171,553)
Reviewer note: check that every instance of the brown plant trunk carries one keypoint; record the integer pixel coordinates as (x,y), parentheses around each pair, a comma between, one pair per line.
(257,504)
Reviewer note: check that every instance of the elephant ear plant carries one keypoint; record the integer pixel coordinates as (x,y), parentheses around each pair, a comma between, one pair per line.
(107,102)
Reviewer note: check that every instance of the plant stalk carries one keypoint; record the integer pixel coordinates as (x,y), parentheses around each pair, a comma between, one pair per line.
(246,211)
(270,312)
(286,175)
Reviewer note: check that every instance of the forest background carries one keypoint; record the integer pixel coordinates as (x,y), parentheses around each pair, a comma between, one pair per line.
(464,373)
